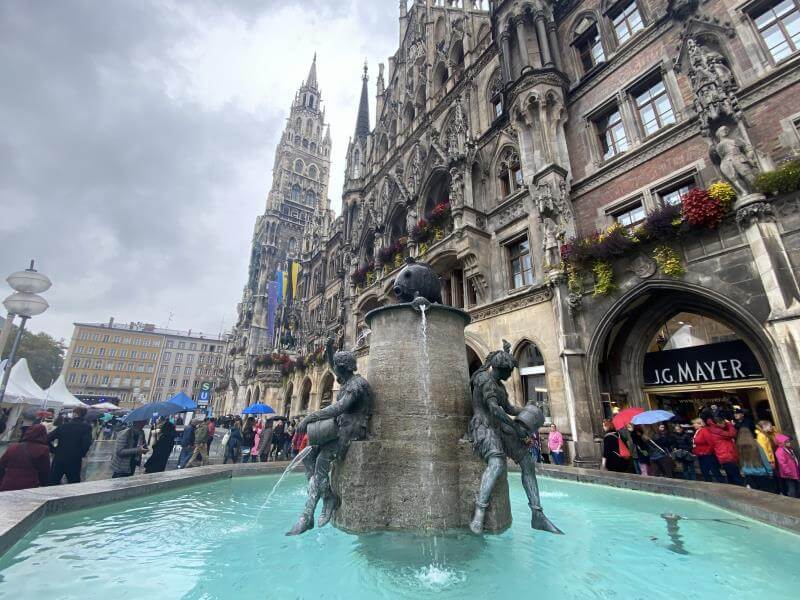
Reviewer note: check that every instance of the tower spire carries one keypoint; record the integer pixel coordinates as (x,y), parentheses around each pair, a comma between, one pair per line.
(311,81)
(362,122)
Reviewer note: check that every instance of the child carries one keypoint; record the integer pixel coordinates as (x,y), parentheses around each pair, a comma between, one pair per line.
(787,466)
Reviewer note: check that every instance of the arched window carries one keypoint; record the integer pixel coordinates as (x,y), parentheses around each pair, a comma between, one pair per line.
(291,246)
(408,115)
(312,171)
(309,127)
(296,193)
(587,44)
(298,124)
(457,56)
(311,198)
(356,164)
(313,147)
(440,77)
(509,173)
(298,166)
(305,143)
(534,381)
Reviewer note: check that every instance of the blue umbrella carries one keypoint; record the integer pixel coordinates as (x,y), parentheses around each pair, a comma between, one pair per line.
(258,409)
(146,411)
(650,417)
(183,400)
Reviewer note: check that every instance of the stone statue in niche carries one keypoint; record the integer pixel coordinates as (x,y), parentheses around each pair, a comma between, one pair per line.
(411,219)
(496,436)
(330,431)
(736,160)
(714,88)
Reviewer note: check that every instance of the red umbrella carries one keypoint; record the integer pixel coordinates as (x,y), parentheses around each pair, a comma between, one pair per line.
(620,420)
(623,417)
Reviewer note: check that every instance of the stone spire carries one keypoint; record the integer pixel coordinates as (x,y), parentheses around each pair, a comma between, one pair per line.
(362,122)
(311,81)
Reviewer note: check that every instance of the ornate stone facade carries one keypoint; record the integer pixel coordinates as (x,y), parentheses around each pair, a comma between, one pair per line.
(503,129)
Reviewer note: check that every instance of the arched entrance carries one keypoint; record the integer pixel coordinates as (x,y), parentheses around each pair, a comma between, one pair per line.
(326,398)
(681,347)
(256,396)
(473,361)
(305,395)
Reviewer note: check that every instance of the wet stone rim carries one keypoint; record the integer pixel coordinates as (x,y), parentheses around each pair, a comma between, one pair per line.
(21,510)
(429,308)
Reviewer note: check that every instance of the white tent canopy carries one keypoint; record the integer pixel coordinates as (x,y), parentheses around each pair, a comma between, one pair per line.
(59,394)
(106,406)
(21,388)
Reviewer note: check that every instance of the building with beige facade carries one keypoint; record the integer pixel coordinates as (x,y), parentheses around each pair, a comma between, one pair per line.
(134,363)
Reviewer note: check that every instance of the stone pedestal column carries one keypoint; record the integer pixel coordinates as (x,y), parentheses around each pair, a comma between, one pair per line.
(414,472)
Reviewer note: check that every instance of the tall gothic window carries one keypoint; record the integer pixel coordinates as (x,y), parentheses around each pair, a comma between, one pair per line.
(298,166)
(611,133)
(296,193)
(519,257)
(534,382)
(311,198)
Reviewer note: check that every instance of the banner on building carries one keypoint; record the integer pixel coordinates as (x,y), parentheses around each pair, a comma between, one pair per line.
(272,307)
(279,275)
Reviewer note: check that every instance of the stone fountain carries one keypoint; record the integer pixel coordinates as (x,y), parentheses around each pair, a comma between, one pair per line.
(415,470)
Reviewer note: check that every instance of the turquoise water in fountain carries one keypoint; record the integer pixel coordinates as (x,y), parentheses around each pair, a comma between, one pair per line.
(205,543)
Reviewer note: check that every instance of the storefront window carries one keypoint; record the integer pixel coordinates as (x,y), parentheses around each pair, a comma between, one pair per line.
(534,382)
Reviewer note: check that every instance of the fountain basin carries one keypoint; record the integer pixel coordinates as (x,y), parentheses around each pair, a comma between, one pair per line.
(204,542)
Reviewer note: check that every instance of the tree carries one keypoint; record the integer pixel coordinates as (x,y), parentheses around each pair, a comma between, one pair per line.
(45,355)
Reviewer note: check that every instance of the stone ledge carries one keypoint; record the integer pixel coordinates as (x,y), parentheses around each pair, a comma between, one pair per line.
(771,509)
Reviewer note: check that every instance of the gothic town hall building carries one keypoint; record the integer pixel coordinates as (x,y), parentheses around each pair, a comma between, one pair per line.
(609,185)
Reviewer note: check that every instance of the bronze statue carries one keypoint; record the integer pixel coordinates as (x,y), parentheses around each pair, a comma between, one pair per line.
(330,431)
(495,436)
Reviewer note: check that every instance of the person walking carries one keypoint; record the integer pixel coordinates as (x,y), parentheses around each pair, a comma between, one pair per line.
(233,447)
(612,459)
(642,450)
(128,450)
(753,461)
(70,443)
(287,440)
(788,469)
(555,442)
(200,444)
(703,444)
(212,429)
(265,444)
(187,445)
(723,434)
(26,464)
(682,452)
(661,444)
(277,440)
(162,449)
(248,438)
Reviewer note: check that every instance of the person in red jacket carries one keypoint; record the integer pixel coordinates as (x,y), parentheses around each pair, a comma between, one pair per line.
(703,448)
(26,464)
(723,436)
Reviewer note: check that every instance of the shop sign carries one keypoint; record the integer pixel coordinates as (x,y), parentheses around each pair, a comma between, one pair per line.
(724,361)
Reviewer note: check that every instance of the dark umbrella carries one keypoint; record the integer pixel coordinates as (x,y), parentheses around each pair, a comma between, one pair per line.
(146,411)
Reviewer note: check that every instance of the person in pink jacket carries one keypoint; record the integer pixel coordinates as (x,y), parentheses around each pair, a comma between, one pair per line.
(555,441)
(786,464)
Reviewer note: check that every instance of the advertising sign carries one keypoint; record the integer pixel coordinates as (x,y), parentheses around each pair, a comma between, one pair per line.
(724,361)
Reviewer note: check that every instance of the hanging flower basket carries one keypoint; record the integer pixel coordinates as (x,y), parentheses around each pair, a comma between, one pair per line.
(421,232)
(440,213)
(701,210)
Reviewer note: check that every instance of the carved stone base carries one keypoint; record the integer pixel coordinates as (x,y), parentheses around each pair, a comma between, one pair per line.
(747,200)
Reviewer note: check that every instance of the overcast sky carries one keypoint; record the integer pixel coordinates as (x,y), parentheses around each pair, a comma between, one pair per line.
(138,138)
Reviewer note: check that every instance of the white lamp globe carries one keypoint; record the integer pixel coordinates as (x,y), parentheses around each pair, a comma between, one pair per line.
(25,304)
(29,282)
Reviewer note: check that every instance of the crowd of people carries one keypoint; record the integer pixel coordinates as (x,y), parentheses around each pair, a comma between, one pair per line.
(726,447)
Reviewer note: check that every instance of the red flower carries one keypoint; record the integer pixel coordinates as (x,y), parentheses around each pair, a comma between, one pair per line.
(701,210)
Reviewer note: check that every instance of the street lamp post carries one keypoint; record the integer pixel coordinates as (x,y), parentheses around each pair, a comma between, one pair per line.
(25,302)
